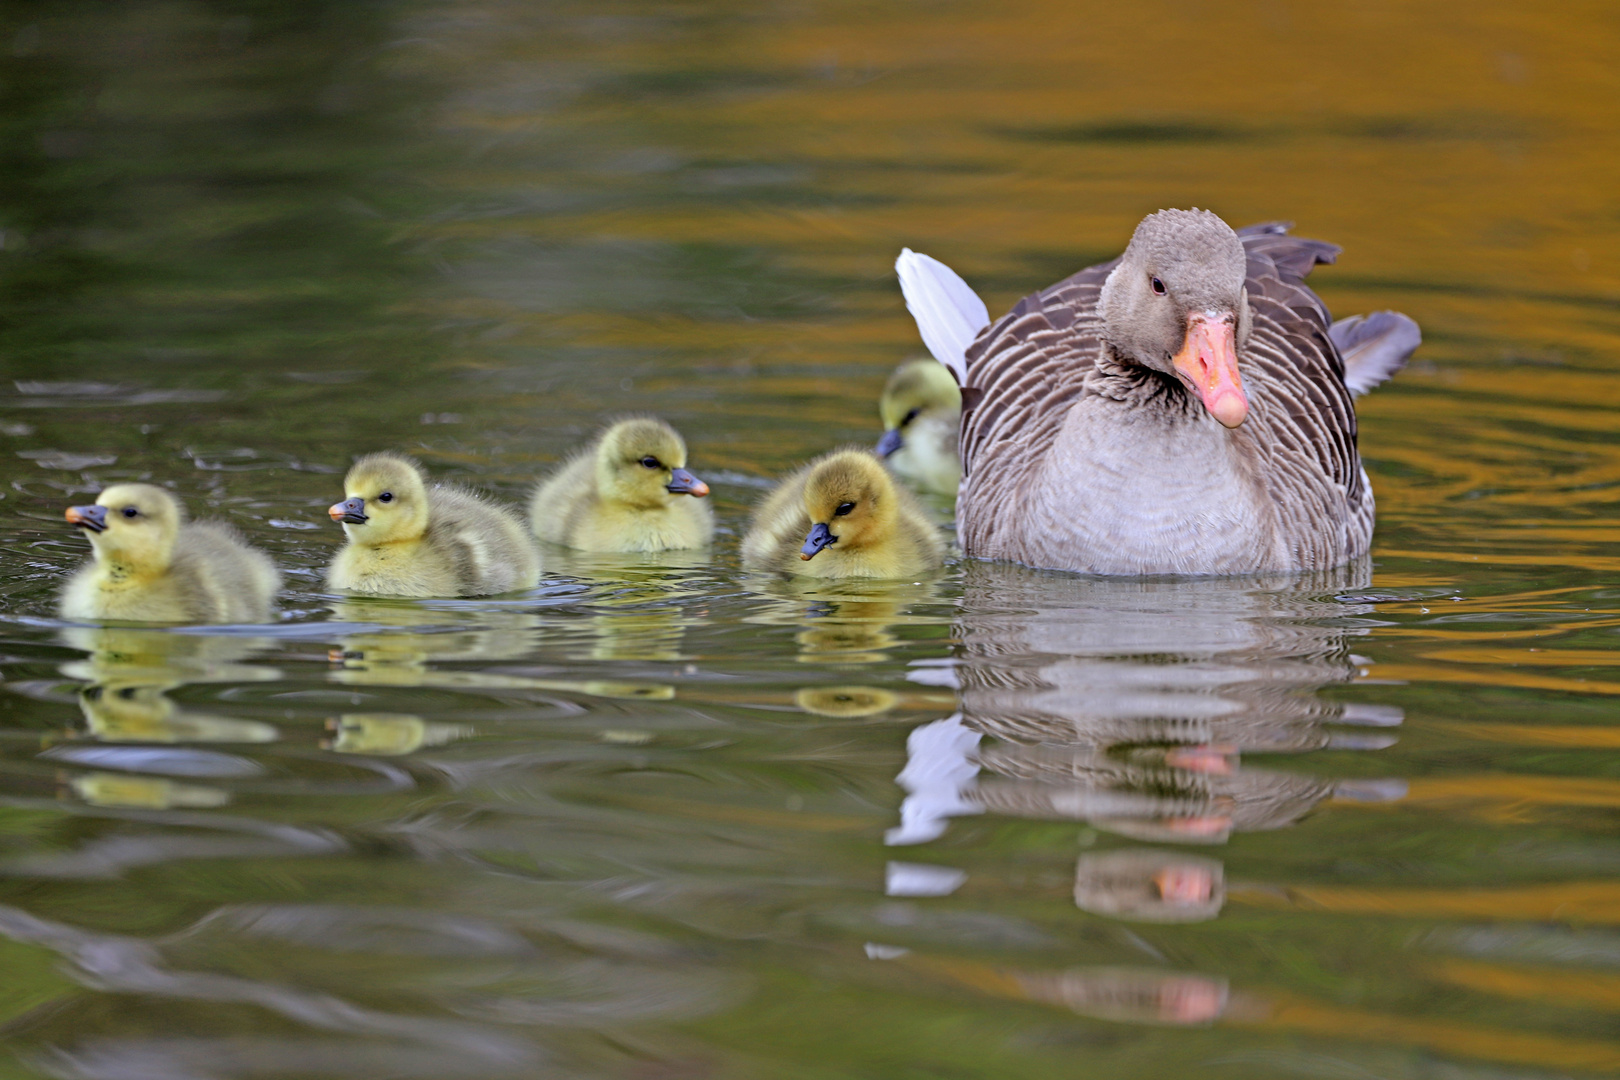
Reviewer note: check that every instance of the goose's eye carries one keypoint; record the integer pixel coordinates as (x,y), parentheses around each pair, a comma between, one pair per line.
(130,511)
(651,462)
(910,416)
(387,496)
(843,508)
(1158,286)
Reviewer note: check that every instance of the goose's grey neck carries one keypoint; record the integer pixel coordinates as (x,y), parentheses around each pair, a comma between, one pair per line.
(1136,386)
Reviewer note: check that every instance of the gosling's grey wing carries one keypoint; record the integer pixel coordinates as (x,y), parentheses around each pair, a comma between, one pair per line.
(1374,347)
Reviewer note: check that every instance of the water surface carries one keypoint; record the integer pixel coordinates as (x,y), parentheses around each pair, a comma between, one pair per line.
(662,819)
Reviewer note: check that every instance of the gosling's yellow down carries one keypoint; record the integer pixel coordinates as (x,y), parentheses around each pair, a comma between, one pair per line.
(152,565)
(407,539)
(625,492)
(842,516)
(921,409)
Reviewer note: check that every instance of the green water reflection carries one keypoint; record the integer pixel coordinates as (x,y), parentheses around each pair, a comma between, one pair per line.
(660,818)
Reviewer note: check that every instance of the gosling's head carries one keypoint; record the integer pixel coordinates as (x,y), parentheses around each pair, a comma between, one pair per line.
(851,503)
(385,501)
(641,462)
(918,389)
(133,525)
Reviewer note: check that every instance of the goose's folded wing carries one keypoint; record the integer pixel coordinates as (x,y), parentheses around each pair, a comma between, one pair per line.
(1026,370)
(1308,424)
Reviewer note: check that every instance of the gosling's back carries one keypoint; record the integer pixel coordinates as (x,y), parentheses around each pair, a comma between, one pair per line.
(469,548)
(213,577)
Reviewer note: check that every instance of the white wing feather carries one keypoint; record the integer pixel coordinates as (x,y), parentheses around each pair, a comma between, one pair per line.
(949,314)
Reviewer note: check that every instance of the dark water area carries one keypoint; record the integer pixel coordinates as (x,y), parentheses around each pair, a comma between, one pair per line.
(660,819)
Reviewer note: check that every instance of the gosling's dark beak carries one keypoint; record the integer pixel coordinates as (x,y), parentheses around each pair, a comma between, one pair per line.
(820,537)
(349,511)
(892,440)
(682,482)
(93,518)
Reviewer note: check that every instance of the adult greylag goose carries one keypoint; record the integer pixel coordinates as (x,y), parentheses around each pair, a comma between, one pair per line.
(1184,409)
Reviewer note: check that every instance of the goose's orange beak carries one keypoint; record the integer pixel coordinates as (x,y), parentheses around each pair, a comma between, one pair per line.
(1185,884)
(1207,362)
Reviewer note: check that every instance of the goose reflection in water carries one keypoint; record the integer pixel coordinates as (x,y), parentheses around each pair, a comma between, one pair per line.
(1128,704)
(1137,995)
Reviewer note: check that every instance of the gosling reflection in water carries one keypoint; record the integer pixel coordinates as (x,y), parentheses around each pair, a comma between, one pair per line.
(642,605)
(401,643)
(131,671)
(125,792)
(846,622)
(389,734)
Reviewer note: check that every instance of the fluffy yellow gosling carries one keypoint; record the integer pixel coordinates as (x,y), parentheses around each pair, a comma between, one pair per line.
(151,565)
(842,516)
(406,539)
(625,492)
(922,411)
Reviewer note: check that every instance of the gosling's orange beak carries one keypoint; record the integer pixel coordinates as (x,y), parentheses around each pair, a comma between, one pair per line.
(93,518)
(682,482)
(349,512)
(1208,363)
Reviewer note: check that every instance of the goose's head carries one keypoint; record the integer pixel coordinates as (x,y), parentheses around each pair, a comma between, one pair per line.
(1176,304)
(917,389)
(642,462)
(851,503)
(385,501)
(132,524)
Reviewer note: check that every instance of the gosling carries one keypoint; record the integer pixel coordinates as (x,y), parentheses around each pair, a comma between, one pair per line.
(921,409)
(406,539)
(842,516)
(151,565)
(624,493)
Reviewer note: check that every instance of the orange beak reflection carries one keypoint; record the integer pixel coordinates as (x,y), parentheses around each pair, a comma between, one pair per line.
(1208,363)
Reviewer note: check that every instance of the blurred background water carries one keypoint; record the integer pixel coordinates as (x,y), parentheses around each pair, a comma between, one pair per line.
(661,820)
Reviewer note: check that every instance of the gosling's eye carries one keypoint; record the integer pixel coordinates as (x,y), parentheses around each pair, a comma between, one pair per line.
(387,496)
(130,511)
(843,508)
(1158,286)
(652,462)
(910,416)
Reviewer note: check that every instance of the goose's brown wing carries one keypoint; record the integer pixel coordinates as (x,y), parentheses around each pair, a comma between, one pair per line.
(1024,371)
(1303,422)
